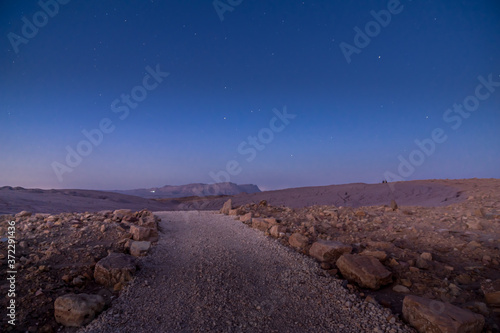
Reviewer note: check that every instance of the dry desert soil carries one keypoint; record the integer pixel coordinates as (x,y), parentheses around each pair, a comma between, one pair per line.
(254,270)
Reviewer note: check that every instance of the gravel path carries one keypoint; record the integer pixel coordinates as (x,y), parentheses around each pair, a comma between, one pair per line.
(210,273)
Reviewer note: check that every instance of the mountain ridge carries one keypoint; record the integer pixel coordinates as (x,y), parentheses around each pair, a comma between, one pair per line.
(188,190)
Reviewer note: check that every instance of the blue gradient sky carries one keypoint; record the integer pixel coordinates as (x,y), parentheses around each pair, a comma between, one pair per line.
(352,120)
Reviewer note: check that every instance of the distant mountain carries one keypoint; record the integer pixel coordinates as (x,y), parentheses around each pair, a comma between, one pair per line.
(199,190)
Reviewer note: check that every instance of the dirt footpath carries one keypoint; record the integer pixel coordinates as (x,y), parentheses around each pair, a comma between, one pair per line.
(209,272)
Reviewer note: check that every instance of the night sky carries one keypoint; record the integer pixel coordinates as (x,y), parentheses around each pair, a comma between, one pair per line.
(130,94)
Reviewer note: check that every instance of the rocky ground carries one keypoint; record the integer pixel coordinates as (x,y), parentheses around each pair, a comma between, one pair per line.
(366,267)
(57,255)
(449,254)
(209,273)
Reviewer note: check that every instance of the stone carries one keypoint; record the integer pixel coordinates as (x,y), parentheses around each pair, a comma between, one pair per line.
(24,213)
(77,281)
(366,271)
(77,310)
(121,213)
(479,212)
(277,230)
(491,290)
(474,244)
(426,256)
(360,213)
(400,289)
(394,205)
(271,220)
(328,251)
(143,233)
(234,212)
(260,224)
(406,283)
(148,221)
(116,267)
(246,218)
(380,255)
(474,225)
(228,205)
(139,248)
(298,241)
(432,316)
(422,263)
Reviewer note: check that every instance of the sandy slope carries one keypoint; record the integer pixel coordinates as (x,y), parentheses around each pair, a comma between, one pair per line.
(427,193)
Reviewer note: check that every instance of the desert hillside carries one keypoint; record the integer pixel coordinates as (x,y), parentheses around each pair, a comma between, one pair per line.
(16,199)
(189,190)
(426,193)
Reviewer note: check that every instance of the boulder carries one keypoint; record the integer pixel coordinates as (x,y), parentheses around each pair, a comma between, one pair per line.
(400,289)
(329,251)
(276,230)
(121,213)
(115,268)
(380,255)
(24,213)
(271,220)
(246,218)
(228,205)
(139,248)
(426,256)
(366,271)
(260,224)
(394,205)
(432,316)
(491,290)
(77,309)
(143,233)
(148,221)
(298,241)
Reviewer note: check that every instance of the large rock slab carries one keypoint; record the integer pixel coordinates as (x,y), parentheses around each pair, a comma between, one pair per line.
(260,224)
(148,221)
(366,271)
(432,316)
(298,241)
(139,248)
(143,233)
(77,309)
(121,213)
(246,218)
(328,251)
(228,205)
(115,268)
